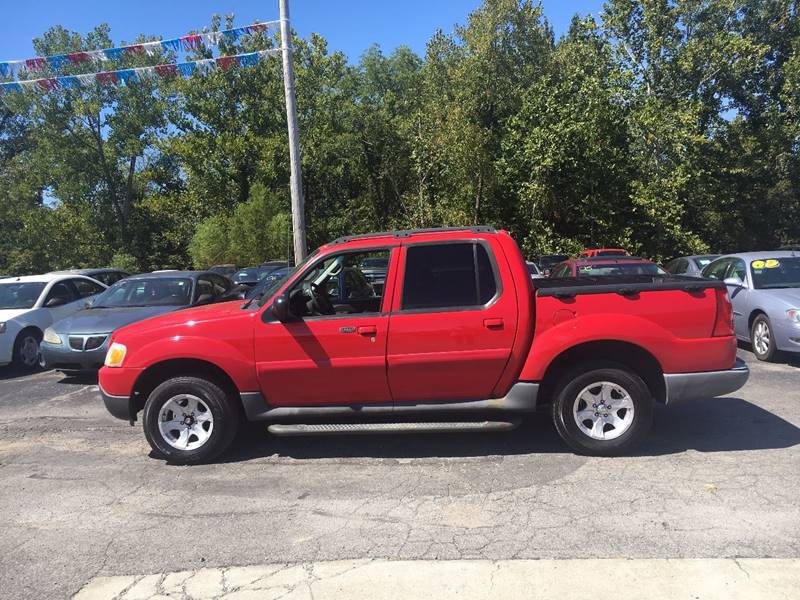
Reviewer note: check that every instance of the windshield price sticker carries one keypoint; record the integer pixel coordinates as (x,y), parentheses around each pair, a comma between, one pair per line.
(772,263)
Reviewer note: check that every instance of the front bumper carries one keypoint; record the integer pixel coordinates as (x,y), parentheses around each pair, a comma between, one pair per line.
(710,384)
(62,358)
(119,406)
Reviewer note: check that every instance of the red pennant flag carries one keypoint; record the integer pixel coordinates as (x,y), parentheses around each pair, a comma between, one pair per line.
(227,62)
(165,71)
(106,78)
(48,85)
(35,64)
(192,42)
(255,28)
(135,49)
(77,58)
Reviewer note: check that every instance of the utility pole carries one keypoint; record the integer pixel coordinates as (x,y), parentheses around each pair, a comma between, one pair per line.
(298,203)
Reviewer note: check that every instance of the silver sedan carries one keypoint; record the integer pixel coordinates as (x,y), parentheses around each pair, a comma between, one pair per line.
(764,288)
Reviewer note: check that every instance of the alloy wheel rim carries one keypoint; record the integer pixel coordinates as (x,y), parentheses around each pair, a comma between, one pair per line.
(761,338)
(603,410)
(185,422)
(29,351)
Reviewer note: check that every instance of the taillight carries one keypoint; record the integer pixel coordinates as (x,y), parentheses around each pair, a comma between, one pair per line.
(723,322)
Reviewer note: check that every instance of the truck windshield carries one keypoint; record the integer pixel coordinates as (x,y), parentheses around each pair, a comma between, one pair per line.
(158,291)
(20,295)
(776,273)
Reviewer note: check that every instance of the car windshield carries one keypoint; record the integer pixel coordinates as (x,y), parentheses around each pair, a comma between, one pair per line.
(549,260)
(532,268)
(251,274)
(20,295)
(611,253)
(776,273)
(602,269)
(702,261)
(158,291)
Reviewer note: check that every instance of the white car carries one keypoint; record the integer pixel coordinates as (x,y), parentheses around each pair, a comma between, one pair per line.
(29,305)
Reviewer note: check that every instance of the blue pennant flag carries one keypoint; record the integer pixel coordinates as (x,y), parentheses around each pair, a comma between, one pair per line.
(114,53)
(127,76)
(5,69)
(232,34)
(11,87)
(248,60)
(186,69)
(57,61)
(69,81)
(171,44)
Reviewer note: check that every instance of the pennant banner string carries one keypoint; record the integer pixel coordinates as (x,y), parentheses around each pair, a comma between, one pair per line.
(196,41)
(128,76)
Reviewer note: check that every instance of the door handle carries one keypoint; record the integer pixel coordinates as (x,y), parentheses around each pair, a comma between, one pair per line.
(367,330)
(493,323)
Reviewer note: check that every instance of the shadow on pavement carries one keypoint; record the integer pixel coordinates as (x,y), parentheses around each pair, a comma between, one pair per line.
(9,372)
(78,379)
(713,425)
(791,359)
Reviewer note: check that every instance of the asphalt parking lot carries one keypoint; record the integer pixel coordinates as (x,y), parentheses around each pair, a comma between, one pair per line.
(80,497)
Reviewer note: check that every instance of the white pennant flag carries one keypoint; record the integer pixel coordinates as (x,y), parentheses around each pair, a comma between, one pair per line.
(86,79)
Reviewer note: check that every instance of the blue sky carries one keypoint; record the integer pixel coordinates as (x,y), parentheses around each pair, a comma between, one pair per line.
(350,26)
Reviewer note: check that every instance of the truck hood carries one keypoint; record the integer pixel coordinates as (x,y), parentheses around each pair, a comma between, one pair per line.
(187,317)
(7,314)
(106,320)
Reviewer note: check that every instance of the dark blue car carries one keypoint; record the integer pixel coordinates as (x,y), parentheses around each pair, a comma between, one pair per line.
(79,342)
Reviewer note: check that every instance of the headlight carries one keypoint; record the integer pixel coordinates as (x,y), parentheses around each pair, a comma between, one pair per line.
(51,337)
(793,314)
(2,327)
(115,355)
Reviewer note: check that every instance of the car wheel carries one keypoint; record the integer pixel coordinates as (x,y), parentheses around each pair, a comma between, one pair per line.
(190,420)
(762,340)
(26,350)
(602,410)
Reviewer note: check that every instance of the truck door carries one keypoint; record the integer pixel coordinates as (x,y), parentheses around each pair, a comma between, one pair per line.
(452,327)
(334,352)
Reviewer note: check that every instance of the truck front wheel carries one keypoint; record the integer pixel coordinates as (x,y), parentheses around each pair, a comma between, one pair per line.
(602,410)
(190,420)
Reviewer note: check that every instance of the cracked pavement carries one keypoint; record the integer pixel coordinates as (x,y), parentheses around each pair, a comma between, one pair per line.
(80,497)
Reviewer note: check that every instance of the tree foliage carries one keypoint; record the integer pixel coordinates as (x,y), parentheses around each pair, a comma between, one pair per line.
(664,126)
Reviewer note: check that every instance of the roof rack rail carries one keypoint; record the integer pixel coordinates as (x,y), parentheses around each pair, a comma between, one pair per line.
(404,233)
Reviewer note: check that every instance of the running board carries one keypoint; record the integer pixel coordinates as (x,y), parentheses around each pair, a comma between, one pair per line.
(372,428)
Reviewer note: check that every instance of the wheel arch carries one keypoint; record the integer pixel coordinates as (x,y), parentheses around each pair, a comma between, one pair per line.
(753,315)
(159,372)
(638,359)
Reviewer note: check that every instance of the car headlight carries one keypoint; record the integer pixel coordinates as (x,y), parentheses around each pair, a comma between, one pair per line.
(793,314)
(2,327)
(51,337)
(115,355)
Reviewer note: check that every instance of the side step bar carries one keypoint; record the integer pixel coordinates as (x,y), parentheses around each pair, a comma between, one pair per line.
(371,428)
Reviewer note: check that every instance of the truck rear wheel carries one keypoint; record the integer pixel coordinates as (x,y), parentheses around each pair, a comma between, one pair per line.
(190,420)
(602,410)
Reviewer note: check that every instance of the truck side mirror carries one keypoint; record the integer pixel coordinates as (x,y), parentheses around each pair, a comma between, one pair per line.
(281,310)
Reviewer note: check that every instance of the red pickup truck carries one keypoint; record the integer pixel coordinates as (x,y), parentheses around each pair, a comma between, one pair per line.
(453,331)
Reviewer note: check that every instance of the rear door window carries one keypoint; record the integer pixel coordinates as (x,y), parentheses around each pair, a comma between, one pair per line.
(448,276)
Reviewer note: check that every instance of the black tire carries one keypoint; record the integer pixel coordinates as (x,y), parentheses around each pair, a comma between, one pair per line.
(223,406)
(21,359)
(770,352)
(567,391)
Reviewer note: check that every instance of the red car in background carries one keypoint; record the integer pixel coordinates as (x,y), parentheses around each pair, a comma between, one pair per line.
(602,266)
(603,252)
